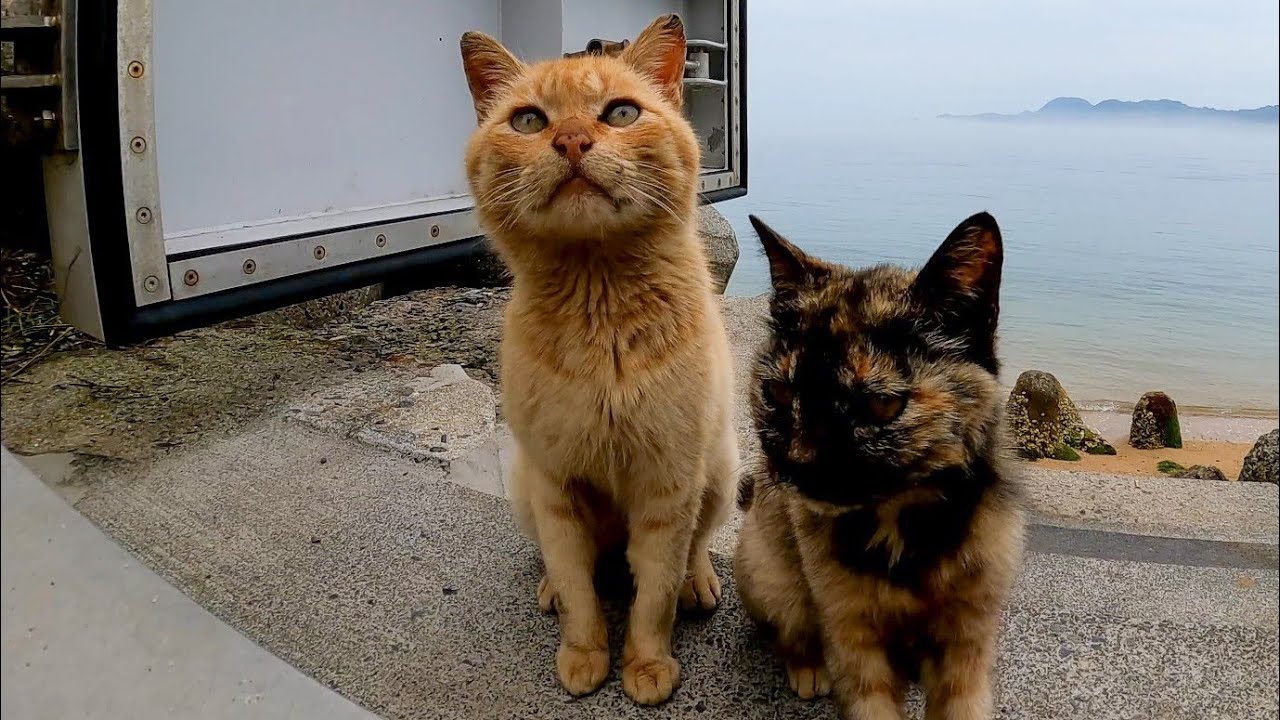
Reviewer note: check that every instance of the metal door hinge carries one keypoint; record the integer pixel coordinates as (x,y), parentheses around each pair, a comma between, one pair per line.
(704,63)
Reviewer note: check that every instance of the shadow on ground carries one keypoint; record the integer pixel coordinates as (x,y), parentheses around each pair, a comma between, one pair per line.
(416,598)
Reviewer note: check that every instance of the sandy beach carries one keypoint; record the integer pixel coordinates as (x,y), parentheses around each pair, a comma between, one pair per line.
(1227,457)
(1216,440)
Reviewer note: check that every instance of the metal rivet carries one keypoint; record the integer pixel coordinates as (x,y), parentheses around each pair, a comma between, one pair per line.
(138,145)
(435,231)
(319,252)
(380,241)
(143,215)
(151,283)
(249,266)
(190,277)
(135,69)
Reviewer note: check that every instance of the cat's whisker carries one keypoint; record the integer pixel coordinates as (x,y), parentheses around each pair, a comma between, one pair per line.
(652,184)
(658,187)
(502,196)
(659,203)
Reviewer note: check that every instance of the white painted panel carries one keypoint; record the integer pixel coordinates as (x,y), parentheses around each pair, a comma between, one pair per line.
(293,117)
(286,116)
(531,28)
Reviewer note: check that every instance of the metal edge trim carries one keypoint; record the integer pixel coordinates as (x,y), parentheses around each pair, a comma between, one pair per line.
(729,193)
(75,279)
(250,265)
(138,166)
(97,99)
(172,317)
(70,124)
(735,110)
(716,181)
(740,93)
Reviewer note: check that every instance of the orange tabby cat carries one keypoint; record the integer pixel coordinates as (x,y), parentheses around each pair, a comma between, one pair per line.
(616,376)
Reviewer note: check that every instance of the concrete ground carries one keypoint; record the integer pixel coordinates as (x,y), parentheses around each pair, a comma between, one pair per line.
(91,632)
(357,531)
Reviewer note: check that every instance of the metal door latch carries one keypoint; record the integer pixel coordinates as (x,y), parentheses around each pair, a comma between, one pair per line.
(601,47)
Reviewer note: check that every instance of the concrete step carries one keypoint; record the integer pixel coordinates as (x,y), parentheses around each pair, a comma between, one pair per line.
(1160,506)
(414,595)
(448,419)
(89,632)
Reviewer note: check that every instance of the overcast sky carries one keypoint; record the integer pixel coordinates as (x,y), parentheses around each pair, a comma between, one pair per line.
(895,58)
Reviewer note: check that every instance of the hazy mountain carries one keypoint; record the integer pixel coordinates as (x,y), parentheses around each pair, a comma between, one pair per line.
(1071,109)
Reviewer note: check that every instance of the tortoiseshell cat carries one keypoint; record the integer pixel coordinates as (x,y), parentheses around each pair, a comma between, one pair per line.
(616,377)
(881,539)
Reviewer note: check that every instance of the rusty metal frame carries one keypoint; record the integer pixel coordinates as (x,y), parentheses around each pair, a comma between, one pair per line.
(732,182)
(138,166)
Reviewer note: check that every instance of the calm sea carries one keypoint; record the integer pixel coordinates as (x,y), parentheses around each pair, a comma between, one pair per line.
(1135,258)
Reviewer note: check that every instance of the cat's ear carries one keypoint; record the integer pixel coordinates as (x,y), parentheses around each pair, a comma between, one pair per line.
(659,54)
(489,67)
(789,267)
(960,285)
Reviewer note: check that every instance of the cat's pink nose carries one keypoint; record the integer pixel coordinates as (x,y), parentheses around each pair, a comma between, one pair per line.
(573,139)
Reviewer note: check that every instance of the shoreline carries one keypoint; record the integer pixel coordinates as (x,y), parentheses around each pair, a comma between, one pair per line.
(758,303)
(745,313)
(1235,429)
(1116,407)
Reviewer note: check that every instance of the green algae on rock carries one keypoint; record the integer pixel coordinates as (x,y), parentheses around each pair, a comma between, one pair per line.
(1043,420)
(1065,452)
(1155,423)
(1195,472)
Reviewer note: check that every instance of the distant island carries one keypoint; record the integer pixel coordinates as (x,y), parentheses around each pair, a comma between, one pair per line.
(1072,109)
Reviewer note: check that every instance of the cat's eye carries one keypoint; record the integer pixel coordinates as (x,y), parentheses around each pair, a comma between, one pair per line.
(779,391)
(621,113)
(884,408)
(528,120)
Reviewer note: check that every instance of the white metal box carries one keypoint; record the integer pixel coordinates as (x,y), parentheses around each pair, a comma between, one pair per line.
(241,155)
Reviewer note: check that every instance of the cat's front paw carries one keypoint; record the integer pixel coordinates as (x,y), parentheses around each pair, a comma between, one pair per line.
(581,669)
(808,681)
(547,598)
(701,590)
(650,681)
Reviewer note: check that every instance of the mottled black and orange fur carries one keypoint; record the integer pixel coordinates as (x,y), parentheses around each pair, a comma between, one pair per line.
(881,536)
